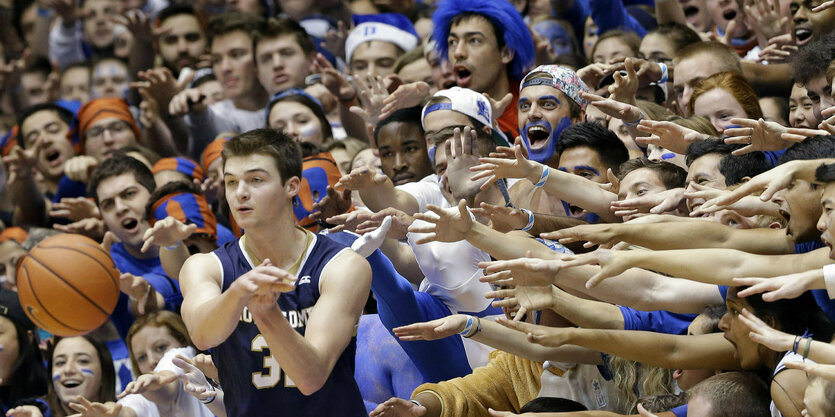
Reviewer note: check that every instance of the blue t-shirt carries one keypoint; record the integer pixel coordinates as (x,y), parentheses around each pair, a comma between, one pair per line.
(658,321)
(151,270)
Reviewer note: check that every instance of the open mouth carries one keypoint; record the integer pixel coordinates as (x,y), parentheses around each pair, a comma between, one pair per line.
(786,215)
(802,35)
(71,383)
(449,84)
(462,75)
(729,15)
(690,11)
(52,157)
(130,224)
(538,136)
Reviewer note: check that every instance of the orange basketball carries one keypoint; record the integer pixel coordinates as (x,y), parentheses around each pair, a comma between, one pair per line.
(68,285)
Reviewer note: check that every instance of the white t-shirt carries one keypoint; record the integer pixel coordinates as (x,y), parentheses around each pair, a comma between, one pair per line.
(220,117)
(184,405)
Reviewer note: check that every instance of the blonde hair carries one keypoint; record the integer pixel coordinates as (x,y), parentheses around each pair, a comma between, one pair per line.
(630,376)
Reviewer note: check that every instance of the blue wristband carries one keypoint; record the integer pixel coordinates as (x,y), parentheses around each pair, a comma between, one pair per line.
(530,220)
(635,123)
(664,73)
(544,177)
(468,327)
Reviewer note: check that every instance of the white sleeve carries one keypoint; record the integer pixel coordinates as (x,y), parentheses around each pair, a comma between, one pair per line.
(167,361)
(140,405)
(829,280)
(425,191)
(65,44)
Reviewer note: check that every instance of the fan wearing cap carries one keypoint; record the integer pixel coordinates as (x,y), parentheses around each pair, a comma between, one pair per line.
(104,126)
(185,203)
(549,102)
(377,41)
(22,373)
(177,169)
(489,47)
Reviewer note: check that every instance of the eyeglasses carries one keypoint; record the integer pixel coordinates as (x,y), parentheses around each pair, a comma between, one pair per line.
(115,128)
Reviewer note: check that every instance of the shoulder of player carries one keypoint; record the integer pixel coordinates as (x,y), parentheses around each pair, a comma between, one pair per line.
(200,265)
(347,266)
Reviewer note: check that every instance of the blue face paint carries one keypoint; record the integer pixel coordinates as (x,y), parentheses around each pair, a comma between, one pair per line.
(550,98)
(56,376)
(556,34)
(587,168)
(545,153)
(87,371)
(567,209)
(668,155)
(432,154)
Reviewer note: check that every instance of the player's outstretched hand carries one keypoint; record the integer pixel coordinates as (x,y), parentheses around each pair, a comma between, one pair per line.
(398,407)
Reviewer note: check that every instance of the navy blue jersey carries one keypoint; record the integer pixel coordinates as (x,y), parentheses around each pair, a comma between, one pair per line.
(252,380)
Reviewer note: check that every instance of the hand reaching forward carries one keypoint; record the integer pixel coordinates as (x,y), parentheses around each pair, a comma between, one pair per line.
(496,168)
(432,330)
(398,407)
(446,225)
(611,263)
(148,382)
(166,232)
(521,271)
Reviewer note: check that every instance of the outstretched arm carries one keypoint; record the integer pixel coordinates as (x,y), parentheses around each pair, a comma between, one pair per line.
(725,265)
(571,188)
(495,335)
(636,288)
(682,235)
(710,351)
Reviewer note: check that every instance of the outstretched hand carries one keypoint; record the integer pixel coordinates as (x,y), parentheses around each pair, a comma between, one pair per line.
(445,225)
(432,330)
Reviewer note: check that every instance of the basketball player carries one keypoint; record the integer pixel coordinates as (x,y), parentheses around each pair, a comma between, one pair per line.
(282,346)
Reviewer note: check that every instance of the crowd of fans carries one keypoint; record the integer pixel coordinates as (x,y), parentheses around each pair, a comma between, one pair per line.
(567,207)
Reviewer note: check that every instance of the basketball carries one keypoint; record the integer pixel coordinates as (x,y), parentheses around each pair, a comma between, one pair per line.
(68,285)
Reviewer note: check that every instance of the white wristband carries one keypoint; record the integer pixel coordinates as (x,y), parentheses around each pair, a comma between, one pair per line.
(829,280)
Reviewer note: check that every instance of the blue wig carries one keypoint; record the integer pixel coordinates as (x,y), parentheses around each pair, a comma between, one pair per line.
(502,15)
